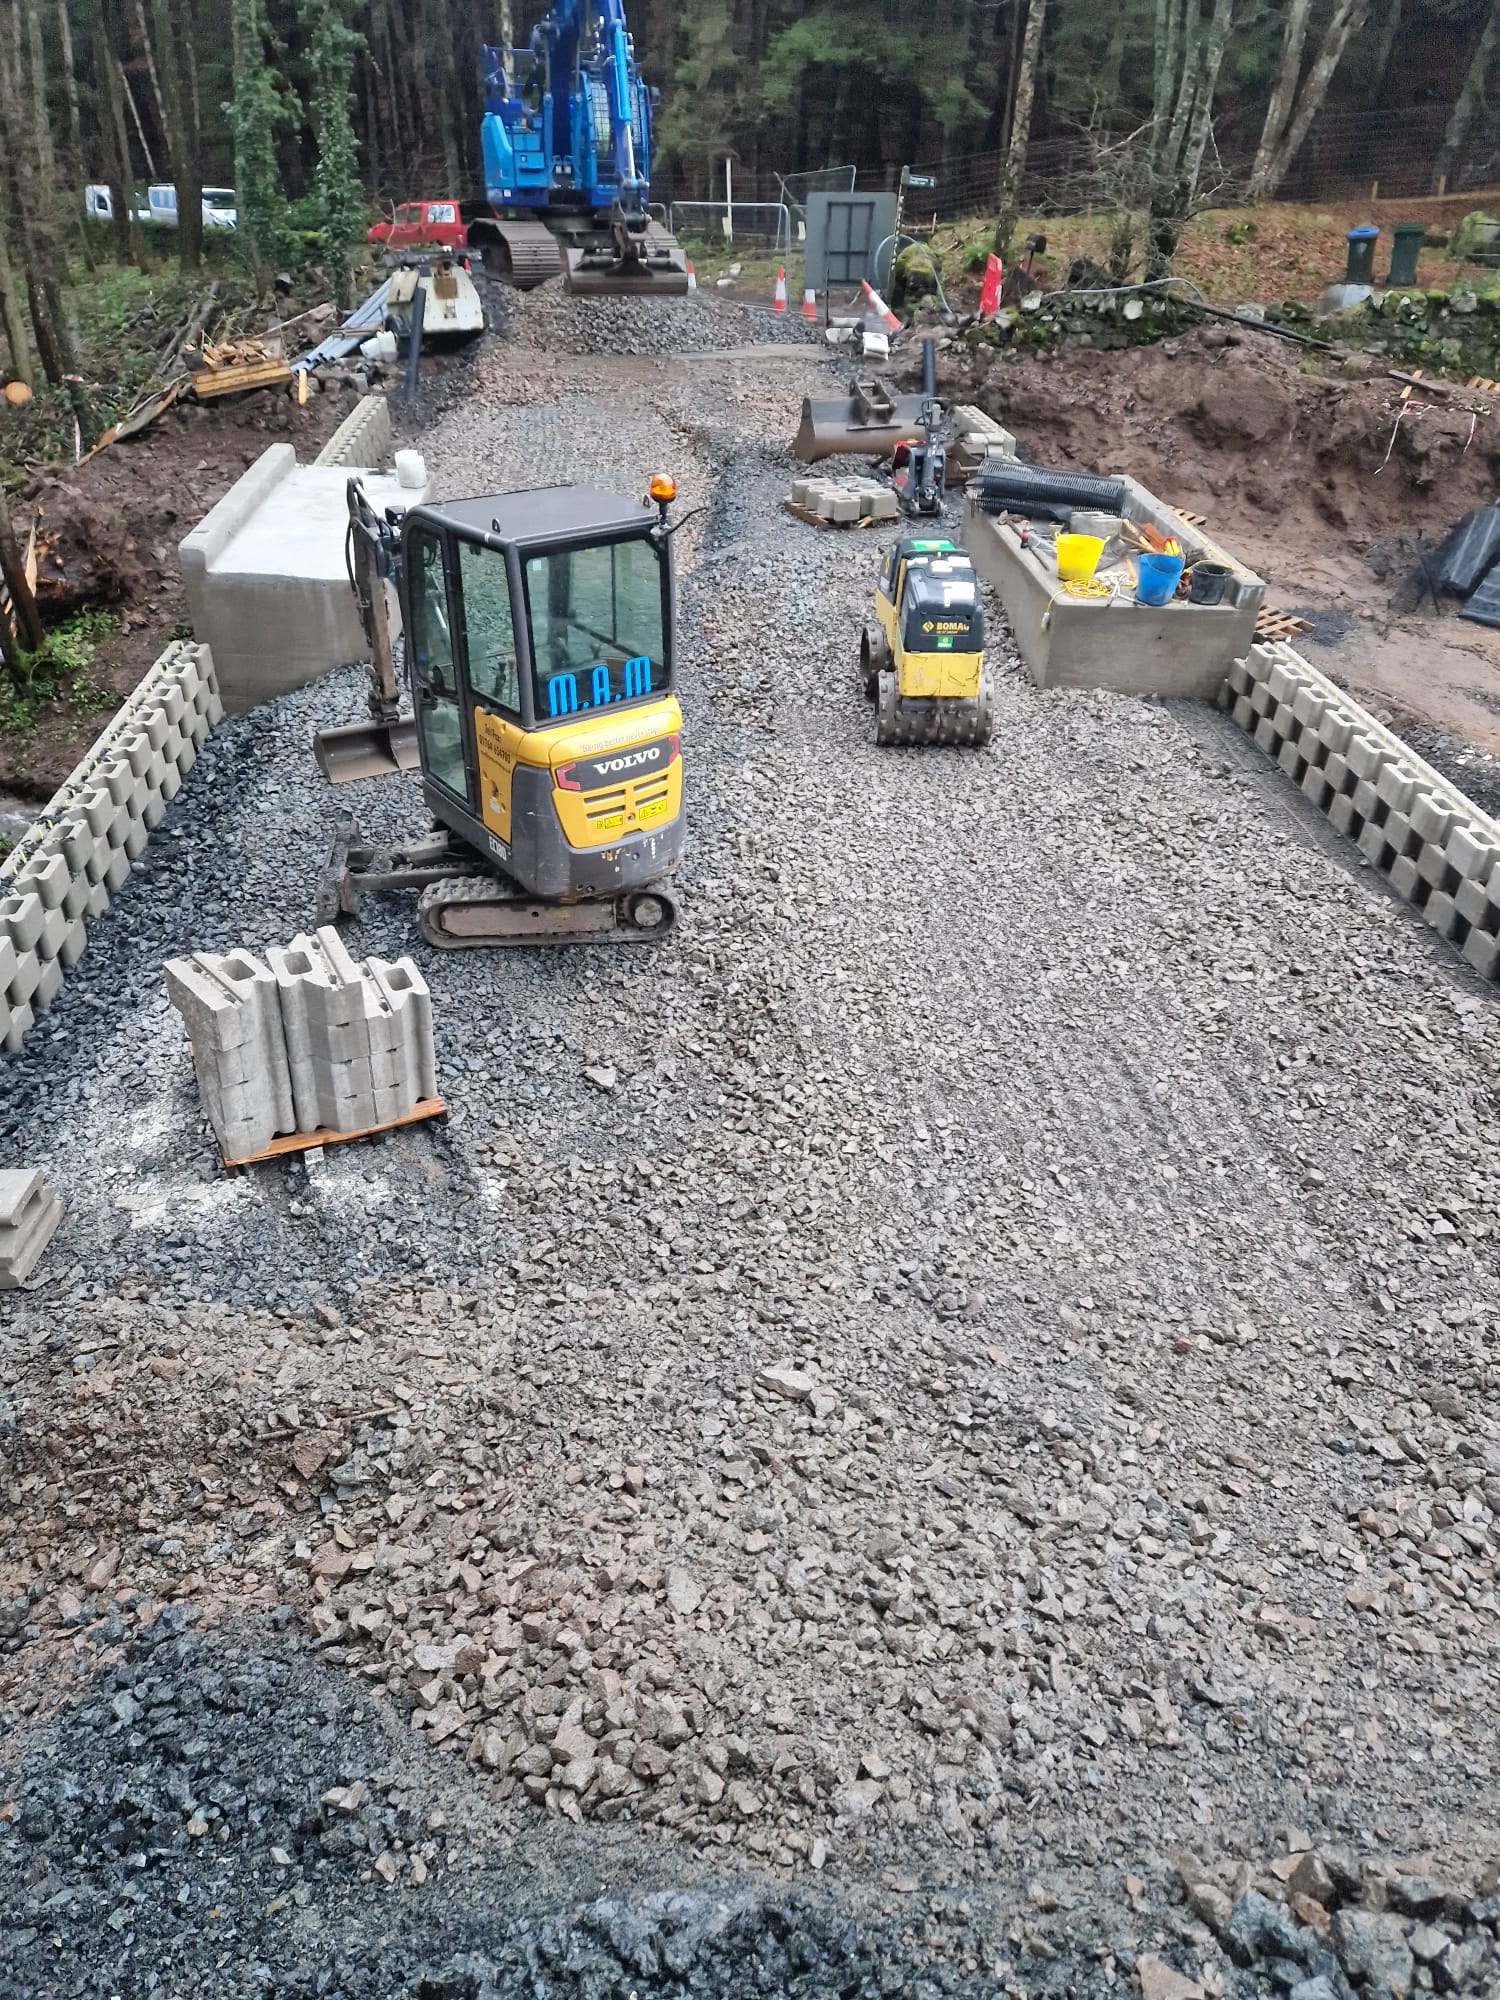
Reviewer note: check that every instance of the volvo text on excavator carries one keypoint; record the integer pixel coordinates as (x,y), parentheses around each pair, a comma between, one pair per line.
(539,634)
(566,140)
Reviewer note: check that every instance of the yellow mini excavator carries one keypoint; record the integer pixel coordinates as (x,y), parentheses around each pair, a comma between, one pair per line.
(923,664)
(538,631)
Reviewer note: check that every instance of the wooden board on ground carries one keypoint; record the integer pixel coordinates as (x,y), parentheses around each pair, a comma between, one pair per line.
(211,382)
(302,1142)
(818,521)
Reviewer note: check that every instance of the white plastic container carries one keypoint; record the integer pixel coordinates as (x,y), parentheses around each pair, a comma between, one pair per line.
(411,468)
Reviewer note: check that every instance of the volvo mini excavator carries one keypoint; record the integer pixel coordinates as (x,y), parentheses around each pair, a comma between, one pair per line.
(538,631)
(923,664)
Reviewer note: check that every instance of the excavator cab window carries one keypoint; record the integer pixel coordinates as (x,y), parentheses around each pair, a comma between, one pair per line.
(434,684)
(597,627)
(489,630)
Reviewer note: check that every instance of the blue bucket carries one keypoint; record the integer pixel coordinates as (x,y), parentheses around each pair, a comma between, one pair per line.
(1156,578)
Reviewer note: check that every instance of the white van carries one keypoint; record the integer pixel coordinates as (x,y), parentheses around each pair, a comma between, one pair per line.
(219,211)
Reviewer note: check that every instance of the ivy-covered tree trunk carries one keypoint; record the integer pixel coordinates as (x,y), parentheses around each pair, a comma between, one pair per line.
(341,200)
(1007,202)
(254,113)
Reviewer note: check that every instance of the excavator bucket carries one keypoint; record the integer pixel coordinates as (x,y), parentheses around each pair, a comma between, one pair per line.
(653,265)
(867,423)
(366,750)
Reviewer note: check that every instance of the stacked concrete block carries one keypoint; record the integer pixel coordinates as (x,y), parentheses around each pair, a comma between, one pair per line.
(29,1215)
(358,1037)
(230,1004)
(976,437)
(307,1041)
(844,503)
(74,857)
(1432,844)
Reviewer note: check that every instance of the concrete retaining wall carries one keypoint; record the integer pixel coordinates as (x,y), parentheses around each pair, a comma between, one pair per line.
(1432,844)
(264,571)
(68,864)
(363,438)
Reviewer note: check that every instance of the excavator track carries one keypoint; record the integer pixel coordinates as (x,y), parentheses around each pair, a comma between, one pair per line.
(523,254)
(461,912)
(943,722)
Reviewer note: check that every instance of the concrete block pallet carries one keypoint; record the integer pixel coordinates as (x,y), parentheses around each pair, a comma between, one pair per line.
(842,503)
(29,1215)
(72,860)
(1430,842)
(307,1046)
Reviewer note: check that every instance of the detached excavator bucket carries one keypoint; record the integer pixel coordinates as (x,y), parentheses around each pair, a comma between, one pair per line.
(867,423)
(366,750)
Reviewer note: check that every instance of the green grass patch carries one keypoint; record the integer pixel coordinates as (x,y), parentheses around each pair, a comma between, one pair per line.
(58,670)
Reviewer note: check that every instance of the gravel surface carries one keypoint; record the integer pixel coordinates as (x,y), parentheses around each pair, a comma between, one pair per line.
(973,1363)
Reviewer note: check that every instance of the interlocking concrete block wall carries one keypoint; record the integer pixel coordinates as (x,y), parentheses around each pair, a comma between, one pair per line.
(364,438)
(72,859)
(1432,844)
(29,1214)
(308,1041)
(230,1004)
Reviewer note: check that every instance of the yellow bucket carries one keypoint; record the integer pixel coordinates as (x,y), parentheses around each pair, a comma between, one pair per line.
(1078,557)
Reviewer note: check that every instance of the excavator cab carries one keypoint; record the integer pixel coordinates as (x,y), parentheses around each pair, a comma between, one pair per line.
(540,635)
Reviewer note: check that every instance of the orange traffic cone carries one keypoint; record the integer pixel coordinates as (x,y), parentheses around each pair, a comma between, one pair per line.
(809,303)
(692,277)
(778,304)
(879,306)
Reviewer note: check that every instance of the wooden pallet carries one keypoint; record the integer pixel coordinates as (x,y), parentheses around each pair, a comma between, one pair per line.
(1185,514)
(817,520)
(302,1142)
(1271,624)
(1483,382)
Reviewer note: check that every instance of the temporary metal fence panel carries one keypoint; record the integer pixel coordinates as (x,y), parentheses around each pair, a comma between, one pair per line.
(751,224)
(844,234)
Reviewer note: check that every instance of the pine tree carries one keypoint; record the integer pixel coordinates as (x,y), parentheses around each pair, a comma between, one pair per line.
(341,201)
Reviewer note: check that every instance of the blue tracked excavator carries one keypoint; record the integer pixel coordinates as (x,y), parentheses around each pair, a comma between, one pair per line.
(566,140)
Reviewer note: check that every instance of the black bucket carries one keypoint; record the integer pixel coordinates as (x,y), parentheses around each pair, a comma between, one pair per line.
(1208,583)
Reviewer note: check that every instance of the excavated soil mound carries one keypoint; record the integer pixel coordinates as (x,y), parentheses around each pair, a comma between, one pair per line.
(1280,461)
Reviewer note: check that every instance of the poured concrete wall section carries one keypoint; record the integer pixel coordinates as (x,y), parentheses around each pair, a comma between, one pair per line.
(72,859)
(363,438)
(1072,642)
(230,1006)
(29,1215)
(265,576)
(1431,843)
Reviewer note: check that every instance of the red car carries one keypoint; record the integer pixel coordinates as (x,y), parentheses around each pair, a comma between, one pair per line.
(417,222)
